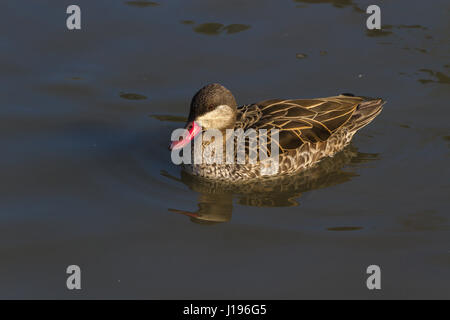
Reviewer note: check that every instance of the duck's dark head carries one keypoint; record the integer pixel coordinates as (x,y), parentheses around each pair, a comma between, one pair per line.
(212,107)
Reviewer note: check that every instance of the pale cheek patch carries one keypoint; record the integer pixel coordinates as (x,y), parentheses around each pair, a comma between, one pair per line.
(217,118)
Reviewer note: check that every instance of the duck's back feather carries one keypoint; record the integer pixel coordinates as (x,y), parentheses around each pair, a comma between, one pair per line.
(310,121)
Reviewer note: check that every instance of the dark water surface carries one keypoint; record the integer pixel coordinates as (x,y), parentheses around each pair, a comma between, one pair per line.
(86,177)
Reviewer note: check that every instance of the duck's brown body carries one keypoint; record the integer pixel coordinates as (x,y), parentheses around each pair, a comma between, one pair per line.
(309,130)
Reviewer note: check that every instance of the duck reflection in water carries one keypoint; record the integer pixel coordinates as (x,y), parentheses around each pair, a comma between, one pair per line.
(215,200)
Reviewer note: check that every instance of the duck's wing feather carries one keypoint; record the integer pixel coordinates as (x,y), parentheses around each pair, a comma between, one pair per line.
(301,120)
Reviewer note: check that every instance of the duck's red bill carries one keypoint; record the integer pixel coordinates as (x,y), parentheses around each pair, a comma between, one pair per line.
(187,213)
(193,130)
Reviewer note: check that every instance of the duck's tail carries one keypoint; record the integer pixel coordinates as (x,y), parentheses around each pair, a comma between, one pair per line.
(365,113)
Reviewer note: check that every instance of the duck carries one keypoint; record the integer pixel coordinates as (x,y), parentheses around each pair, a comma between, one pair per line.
(309,130)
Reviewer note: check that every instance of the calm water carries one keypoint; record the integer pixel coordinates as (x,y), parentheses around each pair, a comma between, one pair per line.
(86,176)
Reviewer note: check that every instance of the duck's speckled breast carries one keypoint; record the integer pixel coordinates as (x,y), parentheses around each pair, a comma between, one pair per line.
(290,161)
